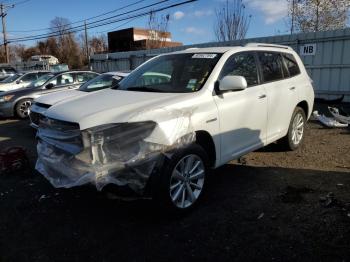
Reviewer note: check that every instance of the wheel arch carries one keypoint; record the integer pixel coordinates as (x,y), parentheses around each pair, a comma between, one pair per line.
(18,100)
(205,140)
(304,105)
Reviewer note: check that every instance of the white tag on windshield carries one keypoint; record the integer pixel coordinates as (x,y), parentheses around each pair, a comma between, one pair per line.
(204,56)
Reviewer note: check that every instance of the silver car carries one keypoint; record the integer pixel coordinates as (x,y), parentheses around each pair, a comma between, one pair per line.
(17,102)
(19,80)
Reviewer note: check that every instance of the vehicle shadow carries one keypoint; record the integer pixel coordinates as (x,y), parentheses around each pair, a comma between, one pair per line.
(247,212)
(15,132)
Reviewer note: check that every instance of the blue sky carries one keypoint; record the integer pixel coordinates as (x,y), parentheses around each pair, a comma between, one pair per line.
(190,24)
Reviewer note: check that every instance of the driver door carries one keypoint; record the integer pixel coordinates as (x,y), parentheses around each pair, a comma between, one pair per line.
(60,82)
(243,113)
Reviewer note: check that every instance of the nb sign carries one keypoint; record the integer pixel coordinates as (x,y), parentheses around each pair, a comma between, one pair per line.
(309,49)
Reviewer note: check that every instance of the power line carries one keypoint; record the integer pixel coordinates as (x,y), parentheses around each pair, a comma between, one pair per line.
(105,23)
(80,21)
(81,26)
(119,26)
(3,13)
(21,2)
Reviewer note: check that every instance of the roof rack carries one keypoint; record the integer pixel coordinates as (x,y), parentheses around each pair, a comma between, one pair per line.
(268,45)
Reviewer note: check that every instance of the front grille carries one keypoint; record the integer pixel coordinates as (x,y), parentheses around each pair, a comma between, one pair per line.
(58,125)
(35,117)
(60,134)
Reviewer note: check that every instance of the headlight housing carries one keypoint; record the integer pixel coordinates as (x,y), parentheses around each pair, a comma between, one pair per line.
(7,98)
(116,142)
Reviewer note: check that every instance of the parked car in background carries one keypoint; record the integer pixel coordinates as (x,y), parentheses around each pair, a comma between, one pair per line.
(6,71)
(103,81)
(17,102)
(20,80)
(161,137)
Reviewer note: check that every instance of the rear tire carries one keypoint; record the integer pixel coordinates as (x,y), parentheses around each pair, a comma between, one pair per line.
(182,179)
(296,130)
(22,108)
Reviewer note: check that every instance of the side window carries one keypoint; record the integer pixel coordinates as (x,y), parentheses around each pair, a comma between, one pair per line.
(241,65)
(29,77)
(64,79)
(271,65)
(291,64)
(40,74)
(84,77)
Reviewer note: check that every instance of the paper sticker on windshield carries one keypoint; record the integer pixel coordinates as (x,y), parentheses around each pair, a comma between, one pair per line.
(204,56)
(117,77)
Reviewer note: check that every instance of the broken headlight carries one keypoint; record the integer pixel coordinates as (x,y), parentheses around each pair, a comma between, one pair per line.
(116,142)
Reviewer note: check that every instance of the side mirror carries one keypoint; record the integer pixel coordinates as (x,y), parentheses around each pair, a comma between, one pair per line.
(19,81)
(49,86)
(232,83)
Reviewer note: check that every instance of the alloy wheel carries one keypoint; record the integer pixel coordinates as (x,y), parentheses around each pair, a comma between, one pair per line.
(187,181)
(297,128)
(24,108)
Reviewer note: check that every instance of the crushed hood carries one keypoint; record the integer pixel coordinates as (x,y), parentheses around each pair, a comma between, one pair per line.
(111,106)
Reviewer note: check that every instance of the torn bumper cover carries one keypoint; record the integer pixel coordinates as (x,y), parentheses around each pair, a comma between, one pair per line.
(124,154)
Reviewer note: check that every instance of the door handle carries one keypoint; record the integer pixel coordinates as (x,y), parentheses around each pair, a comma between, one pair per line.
(292,88)
(262,96)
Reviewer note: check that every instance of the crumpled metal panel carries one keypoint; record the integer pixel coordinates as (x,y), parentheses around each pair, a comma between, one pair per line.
(125,154)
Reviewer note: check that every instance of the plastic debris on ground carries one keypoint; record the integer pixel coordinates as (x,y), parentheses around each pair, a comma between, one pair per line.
(13,159)
(261,216)
(328,121)
(328,200)
(124,154)
(340,115)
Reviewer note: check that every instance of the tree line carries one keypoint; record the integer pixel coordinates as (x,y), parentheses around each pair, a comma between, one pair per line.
(231,23)
(69,48)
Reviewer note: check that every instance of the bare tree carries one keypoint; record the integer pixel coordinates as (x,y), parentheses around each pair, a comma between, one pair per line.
(19,51)
(98,44)
(158,30)
(231,21)
(319,15)
(68,49)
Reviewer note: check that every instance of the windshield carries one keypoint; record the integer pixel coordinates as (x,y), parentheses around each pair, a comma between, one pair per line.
(100,82)
(11,79)
(178,73)
(41,80)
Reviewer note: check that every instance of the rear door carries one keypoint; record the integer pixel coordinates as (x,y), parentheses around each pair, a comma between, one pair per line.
(243,114)
(281,93)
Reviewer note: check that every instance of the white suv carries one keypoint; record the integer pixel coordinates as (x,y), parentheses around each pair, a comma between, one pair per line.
(175,117)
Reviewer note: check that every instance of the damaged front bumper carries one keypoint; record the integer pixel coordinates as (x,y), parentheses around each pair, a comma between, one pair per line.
(124,154)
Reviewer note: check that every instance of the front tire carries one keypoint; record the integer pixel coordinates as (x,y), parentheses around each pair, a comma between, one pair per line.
(182,179)
(296,130)
(22,108)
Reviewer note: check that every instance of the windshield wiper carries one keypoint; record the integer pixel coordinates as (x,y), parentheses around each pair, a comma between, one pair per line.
(144,89)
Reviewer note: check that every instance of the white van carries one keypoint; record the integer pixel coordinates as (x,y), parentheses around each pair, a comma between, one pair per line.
(174,118)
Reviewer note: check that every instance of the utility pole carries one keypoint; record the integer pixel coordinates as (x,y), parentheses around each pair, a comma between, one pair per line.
(293,17)
(87,45)
(3,14)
